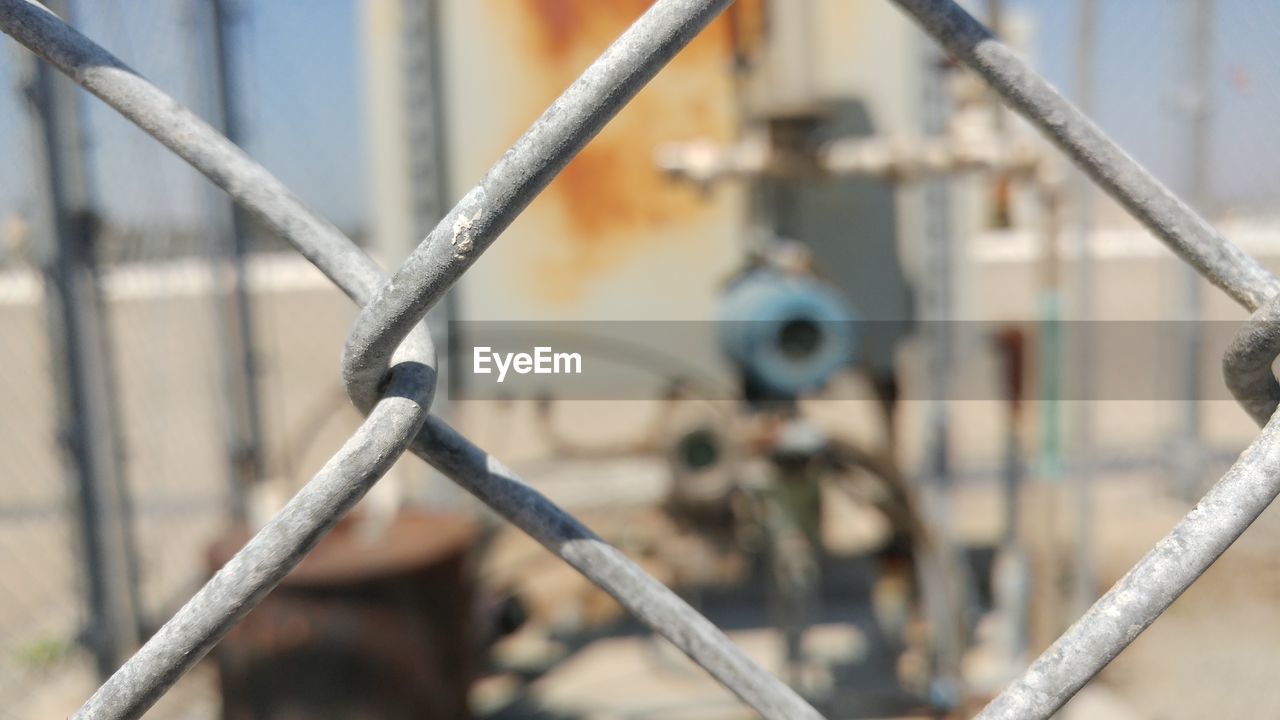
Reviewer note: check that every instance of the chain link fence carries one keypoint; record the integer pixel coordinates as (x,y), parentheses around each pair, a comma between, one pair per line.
(388,364)
(158,289)
(40,607)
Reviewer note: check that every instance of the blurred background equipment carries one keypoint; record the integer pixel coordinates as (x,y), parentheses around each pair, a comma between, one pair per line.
(863,414)
(379,627)
(785,331)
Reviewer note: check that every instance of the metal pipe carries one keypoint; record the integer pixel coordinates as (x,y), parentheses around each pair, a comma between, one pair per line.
(886,158)
(1083,590)
(1190,443)
(942,581)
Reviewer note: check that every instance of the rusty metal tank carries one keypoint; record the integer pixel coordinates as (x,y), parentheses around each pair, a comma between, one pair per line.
(362,628)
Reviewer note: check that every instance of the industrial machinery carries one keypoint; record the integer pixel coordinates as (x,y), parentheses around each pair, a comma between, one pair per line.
(800,204)
(758,476)
(785,330)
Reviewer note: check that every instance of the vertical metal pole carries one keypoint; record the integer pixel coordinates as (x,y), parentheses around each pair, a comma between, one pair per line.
(78,343)
(1192,454)
(1083,590)
(403,78)
(1049,492)
(937,294)
(1202,58)
(940,583)
(789,62)
(995,21)
(1050,354)
(428,171)
(230,240)
(428,186)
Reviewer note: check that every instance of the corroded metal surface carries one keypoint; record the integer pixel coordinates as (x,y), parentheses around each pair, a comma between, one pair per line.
(361,627)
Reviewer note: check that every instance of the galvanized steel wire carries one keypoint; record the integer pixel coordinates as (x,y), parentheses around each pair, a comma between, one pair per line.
(520,174)
(388,333)
(1251,484)
(1118,174)
(396,412)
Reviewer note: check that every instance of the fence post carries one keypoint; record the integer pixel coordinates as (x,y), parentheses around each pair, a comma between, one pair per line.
(63,245)
(401,48)
(1190,450)
(235,323)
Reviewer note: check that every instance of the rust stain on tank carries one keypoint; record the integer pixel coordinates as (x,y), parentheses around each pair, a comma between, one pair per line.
(613,200)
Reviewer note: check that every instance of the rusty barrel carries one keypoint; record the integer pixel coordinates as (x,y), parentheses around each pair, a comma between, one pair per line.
(363,627)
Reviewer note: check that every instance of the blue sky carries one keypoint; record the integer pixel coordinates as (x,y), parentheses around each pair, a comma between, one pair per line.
(1143,62)
(299,65)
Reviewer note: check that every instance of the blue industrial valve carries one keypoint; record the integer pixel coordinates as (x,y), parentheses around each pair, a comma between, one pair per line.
(788,334)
